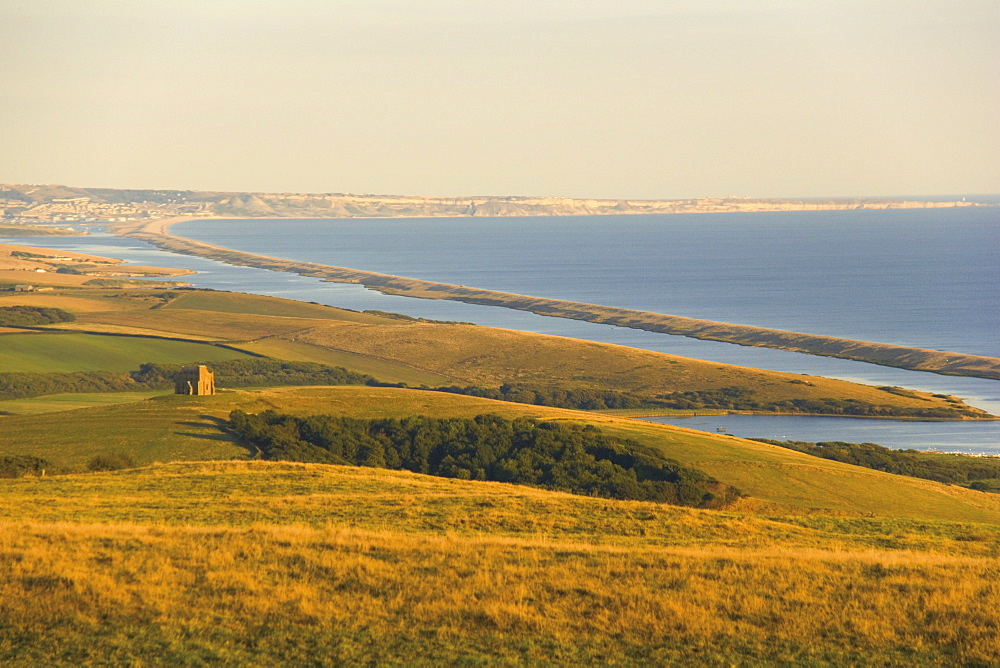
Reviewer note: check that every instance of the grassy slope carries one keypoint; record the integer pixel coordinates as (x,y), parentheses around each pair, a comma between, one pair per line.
(235,302)
(264,563)
(67,402)
(230,327)
(174,427)
(75,301)
(44,353)
(385,370)
(441,354)
(488,356)
(255,562)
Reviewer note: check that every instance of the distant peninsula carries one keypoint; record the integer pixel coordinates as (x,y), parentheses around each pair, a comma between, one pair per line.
(56,203)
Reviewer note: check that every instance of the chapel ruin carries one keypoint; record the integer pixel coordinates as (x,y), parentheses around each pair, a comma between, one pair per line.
(195,380)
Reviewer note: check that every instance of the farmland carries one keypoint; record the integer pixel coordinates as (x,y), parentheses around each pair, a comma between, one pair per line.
(48,352)
(198,551)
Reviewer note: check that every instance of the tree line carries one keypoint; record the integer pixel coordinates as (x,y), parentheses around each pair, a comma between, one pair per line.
(246,372)
(976,472)
(29,316)
(19,466)
(550,455)
(583,399)
(726,398)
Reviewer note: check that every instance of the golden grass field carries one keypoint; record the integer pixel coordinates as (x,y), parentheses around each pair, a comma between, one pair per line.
(490,357)
(268,563)
(204,555)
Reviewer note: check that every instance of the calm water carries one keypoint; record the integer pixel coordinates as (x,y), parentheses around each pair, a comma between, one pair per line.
(966,437)
(922,278)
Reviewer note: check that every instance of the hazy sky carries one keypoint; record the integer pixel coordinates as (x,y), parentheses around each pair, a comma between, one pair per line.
(580,98)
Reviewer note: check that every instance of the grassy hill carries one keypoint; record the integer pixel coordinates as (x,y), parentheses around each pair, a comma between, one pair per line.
(263,563)
(490,357)
(441,354)
(205,555)
(232,302)
(776,480)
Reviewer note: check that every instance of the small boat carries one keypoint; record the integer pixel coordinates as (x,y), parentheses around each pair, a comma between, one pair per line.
(721,430)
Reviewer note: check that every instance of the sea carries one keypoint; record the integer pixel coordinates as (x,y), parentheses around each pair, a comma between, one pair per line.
(927,278)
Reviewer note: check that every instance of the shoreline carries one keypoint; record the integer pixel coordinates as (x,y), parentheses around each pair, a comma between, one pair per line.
(51,203)
(157,233)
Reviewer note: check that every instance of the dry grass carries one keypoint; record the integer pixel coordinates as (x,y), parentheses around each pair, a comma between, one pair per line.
(438,354)
(239,563)
(70,301)
(489,356)
(87,326)
(385,370)
(218,325)
(258,563)
(235,302)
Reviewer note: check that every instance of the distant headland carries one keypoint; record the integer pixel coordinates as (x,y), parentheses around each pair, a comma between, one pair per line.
(57,203)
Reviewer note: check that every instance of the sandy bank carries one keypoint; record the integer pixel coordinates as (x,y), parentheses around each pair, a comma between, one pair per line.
(919,359)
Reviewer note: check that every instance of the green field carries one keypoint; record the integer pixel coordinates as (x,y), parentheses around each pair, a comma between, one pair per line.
(67,402)
(44,353)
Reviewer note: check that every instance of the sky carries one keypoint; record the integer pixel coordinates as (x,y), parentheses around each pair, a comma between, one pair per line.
(622,99)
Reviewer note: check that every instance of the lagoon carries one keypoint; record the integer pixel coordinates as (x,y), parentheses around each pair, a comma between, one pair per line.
(960,437)
(926,278)
(931,280)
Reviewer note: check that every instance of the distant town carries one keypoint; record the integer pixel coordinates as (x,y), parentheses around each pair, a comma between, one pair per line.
(32,204)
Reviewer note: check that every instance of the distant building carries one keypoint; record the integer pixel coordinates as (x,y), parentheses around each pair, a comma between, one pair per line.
(195,380)
(22,287)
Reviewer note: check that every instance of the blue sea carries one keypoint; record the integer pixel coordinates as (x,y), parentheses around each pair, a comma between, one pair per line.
(926,278)
(923,278)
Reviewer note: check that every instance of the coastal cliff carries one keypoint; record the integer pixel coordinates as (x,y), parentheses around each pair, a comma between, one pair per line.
(29,203)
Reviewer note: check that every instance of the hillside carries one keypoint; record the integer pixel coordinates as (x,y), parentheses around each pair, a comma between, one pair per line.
(775,480)
(198,551)
(35,266)
(260,563)
(444,354)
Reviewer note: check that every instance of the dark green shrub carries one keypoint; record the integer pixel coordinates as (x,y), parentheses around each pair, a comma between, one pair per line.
(114,461)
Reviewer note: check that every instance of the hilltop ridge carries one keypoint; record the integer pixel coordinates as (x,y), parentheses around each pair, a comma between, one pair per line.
(28,203)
